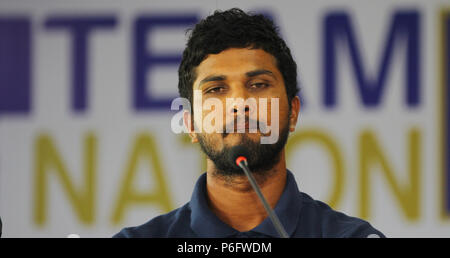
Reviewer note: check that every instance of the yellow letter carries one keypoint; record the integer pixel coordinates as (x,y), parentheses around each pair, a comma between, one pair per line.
(407,194)
(144,147)
(321,138)
(47,157)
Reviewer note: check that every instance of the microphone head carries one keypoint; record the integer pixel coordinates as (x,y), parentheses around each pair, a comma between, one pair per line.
(236,152)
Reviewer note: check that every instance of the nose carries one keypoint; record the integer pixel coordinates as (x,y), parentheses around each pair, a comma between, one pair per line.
(237,101)
(246,109)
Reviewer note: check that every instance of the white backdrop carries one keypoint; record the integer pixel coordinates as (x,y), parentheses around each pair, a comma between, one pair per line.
(111,140)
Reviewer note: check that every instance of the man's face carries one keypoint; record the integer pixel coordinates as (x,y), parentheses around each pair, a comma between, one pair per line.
(242,73)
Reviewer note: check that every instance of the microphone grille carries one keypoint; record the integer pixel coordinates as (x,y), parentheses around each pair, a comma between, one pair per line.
(236,152)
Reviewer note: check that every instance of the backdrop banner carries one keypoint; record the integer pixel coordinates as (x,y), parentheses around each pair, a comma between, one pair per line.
(86,87)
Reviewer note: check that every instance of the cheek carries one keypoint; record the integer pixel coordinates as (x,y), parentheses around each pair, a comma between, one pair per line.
(213,140)
(206,117)
(276,109)
(214,117)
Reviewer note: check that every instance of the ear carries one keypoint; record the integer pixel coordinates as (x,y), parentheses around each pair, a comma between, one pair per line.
(295,110)
(188,121)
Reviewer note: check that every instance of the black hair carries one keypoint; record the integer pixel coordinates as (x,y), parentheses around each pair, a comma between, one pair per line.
(234,28)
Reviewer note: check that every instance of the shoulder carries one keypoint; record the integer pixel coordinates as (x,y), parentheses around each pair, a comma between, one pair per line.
(334,224)
(172,224)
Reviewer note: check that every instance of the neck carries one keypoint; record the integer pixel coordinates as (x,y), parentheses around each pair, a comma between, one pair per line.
(234,201)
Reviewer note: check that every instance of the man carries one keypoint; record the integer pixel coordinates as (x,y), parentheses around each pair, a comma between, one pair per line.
(234,55)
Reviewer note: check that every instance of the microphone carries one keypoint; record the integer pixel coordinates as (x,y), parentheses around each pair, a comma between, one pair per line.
(238,156)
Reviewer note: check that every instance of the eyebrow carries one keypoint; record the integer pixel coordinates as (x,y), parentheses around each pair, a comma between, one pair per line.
(212,78)
(259,72)
(253,73)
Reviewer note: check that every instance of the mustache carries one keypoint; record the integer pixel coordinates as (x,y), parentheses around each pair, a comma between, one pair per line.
(247,121)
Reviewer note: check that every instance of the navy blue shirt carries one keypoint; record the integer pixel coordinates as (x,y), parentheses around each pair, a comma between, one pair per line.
(298,212)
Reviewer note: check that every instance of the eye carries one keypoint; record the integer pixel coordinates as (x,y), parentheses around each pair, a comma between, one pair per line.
(259,85)
(216,89)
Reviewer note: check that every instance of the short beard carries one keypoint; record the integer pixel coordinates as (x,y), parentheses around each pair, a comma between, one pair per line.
(262,157)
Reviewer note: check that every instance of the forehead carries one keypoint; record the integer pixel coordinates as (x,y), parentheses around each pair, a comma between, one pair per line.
(236,61)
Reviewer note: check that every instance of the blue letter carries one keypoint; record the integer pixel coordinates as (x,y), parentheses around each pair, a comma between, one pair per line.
(80,28)
(15,65)
(405,25)
(144,59)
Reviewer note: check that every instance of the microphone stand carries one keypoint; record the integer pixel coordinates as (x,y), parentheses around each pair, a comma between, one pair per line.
(242,162)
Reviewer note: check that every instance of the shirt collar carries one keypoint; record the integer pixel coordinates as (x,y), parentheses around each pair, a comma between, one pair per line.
(206,224)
